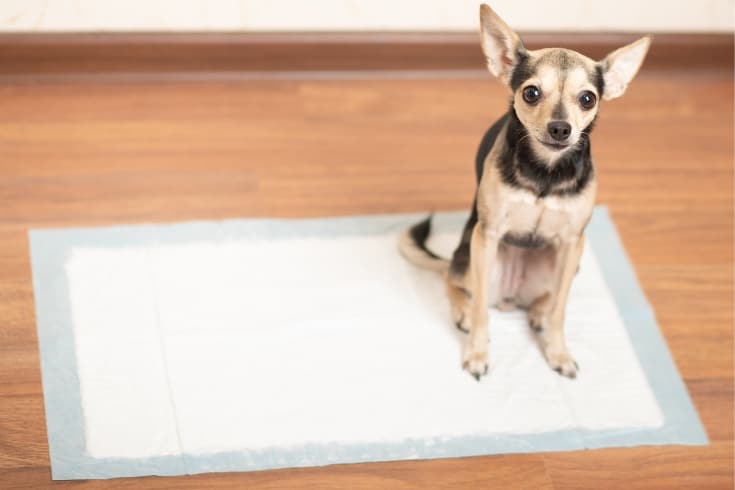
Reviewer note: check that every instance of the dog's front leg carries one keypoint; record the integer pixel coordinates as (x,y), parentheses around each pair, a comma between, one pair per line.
(483,255)
(553,341)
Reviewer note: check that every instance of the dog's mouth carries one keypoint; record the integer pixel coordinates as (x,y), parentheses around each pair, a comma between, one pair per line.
(555,146)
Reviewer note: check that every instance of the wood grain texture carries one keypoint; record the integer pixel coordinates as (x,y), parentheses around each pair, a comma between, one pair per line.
(77,55)
(80,154)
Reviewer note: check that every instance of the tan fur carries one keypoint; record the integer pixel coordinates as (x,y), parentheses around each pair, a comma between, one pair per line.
(483,253)
(408,249)
(561,220)
(499,43)
(622,65)
(561,75)
(460,300)
(505,275)
(557,86)
(554,345)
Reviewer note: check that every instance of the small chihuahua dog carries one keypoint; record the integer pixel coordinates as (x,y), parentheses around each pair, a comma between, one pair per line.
(535,193)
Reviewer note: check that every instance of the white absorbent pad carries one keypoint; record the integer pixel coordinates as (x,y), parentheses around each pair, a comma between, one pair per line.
(254,344)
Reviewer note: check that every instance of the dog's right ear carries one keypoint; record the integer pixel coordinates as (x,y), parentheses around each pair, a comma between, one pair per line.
(499,43)
(620,66)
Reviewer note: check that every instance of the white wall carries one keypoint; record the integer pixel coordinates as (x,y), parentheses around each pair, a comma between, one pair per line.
(346,15)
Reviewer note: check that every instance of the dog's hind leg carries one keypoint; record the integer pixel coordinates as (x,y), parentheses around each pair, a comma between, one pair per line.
(458,284)
(535,293)
(460,299)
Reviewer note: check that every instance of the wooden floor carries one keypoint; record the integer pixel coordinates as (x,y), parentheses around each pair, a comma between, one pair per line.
(102,153)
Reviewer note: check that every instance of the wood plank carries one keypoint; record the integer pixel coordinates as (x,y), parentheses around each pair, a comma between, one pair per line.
(22,431)
(713,399)
(652,467)
(525,471)
(37,55)
(82,154)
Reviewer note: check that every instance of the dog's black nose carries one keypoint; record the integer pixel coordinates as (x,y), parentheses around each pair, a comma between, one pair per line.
(559,130)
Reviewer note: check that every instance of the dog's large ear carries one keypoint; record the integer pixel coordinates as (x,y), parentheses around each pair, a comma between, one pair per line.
(620,66)
(499,43)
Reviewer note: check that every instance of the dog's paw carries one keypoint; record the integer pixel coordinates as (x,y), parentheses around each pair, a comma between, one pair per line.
(460,300)
(461,319)
(536,321)
(475,362)
(506,305)
(562,362)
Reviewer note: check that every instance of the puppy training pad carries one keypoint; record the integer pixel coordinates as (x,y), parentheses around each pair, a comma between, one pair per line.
(254,344)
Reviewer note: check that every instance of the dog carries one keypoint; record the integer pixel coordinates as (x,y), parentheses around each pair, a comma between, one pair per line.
(535,192)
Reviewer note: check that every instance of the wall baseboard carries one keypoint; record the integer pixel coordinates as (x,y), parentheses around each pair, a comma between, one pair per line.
(35,56)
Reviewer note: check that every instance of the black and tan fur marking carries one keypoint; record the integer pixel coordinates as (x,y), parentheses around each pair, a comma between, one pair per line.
(536,188)
(520,166)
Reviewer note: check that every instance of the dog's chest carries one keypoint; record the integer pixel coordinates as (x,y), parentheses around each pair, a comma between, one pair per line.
(550,219)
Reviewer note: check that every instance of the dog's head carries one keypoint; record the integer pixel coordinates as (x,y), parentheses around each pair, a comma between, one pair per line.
(556,92)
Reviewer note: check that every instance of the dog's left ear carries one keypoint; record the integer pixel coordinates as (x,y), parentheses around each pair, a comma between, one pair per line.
(499,43)
(620,66)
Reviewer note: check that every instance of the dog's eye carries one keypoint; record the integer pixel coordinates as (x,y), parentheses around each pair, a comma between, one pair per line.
(587,100)
(531,94)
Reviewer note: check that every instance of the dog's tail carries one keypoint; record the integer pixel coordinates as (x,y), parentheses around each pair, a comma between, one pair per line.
(412,245)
